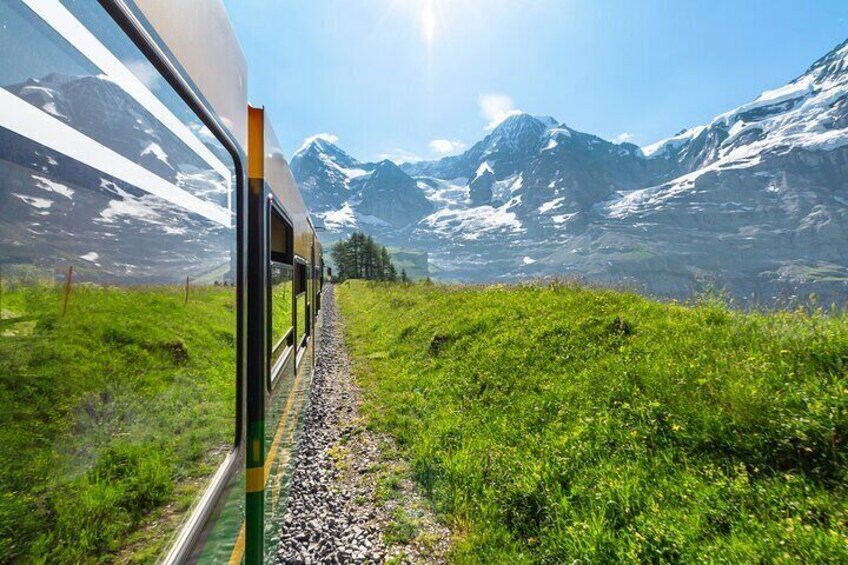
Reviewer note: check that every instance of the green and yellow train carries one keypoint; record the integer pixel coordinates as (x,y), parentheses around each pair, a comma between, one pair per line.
(160,289)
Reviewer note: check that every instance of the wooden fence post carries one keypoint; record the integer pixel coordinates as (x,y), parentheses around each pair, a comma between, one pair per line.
(68,282)
(186,293)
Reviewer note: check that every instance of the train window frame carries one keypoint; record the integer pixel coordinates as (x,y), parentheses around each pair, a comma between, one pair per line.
(301,278)
(140,32)
(276,211)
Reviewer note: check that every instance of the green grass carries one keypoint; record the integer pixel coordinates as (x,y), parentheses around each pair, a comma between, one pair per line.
(401,529)
(281,314)
(112,417)
(559,424)
(300,305)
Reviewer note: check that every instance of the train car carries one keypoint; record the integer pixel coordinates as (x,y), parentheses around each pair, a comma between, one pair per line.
(160,289)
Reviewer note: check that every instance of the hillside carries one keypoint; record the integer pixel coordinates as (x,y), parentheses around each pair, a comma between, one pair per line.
(415,263)
(754,201)
(561,424)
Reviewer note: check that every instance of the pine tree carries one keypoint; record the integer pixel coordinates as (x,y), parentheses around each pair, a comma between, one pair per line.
(338,253)
(357,241)
(368,258)
(360,257)
(385,262)
(403,276)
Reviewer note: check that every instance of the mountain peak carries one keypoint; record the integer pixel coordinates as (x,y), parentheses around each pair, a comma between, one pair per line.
(522,129)
(317,143)
(523,120)
(831,67)
(318,147)
(388,169)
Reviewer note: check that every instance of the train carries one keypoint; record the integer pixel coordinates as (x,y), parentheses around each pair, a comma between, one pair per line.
(160,285)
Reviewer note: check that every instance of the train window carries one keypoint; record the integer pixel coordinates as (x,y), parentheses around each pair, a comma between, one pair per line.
(117,292)
(282,296)
(301,310)
(316,276)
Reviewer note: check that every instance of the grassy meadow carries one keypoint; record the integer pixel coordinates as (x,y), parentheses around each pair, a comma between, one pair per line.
(112,417)
(281,316)
(559,424)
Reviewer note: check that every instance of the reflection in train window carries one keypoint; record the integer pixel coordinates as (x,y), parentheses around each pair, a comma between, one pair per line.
(282,296)
(117,291)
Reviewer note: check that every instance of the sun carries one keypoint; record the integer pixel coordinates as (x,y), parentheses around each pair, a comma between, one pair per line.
(427,15)
(428,19)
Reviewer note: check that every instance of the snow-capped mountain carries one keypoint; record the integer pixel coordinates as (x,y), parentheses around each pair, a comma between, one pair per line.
(347,194)
(325,174)
(508,147)
(756,201)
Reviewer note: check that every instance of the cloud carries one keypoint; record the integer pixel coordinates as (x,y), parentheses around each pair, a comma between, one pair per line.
(496,108)
(622,137)
(145,72)
(399,156)
(332,138)
(446,146)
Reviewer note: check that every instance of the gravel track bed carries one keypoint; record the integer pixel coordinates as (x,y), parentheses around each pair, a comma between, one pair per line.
(351,500)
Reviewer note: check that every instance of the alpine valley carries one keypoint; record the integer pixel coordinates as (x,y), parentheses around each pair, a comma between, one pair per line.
(754,203)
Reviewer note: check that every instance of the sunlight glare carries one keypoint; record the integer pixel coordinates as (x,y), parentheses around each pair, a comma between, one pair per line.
(428,22)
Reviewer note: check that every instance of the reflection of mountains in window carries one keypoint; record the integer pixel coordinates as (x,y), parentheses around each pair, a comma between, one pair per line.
(57,210)
(100,109)
(48,71)
(31,48)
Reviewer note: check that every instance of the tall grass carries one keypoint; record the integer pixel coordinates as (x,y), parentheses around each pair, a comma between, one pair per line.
(559,424)
(111,418)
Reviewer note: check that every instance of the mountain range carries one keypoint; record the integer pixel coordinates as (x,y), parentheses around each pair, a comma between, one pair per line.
(754,203)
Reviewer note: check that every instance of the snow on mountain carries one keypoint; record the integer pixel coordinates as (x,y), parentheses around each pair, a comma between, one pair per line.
(665,147)
(324,173)
(471,223)
(53,186)
(483,169)
(39,203)
(156,151)
(550,205)
(337,220)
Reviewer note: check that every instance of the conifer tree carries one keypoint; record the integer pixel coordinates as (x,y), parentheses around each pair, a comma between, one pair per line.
(385,262)
(360,257)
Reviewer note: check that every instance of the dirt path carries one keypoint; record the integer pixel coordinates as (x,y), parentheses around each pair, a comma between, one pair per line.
(351,499)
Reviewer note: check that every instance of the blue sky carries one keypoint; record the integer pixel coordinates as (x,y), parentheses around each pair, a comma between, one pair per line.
(423,78)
